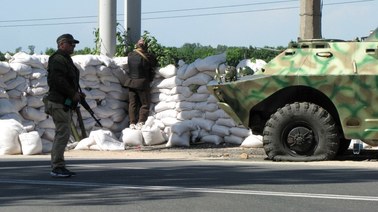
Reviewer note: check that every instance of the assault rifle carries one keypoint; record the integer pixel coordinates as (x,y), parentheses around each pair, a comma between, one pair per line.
(86,106)
(80,118)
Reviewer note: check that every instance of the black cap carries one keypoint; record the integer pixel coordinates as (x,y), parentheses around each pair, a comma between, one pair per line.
(66,37)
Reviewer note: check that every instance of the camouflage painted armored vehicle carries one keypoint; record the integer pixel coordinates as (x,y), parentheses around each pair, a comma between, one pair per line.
(311,100)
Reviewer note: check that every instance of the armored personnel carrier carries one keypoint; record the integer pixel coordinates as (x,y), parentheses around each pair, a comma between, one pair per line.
(310,100)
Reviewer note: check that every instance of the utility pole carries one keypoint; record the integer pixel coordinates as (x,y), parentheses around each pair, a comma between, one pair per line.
(310,19)
(132,19)
(107,26)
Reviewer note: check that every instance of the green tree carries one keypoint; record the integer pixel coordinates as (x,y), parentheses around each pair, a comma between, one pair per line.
(31,49)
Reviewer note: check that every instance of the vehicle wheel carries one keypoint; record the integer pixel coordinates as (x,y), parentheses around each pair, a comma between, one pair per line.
(343,146)
(301,132)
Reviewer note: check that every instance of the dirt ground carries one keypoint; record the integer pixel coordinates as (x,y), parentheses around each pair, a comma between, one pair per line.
(195,151)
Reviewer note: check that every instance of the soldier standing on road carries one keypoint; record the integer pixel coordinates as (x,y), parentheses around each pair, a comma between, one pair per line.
(141,73)
(63,82)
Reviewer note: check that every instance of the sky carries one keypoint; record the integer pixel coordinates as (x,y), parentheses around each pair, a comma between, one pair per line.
(243,23)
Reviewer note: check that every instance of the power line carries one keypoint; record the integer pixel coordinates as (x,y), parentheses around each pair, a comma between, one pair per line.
(217,7)
(222,13)
(168,17)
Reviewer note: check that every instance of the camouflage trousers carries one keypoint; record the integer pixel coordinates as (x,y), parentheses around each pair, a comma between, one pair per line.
(62,119)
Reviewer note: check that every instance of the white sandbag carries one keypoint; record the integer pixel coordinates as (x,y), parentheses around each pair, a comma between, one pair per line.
(39,91)
(107,61)
(168,71)
(131,137)
(107,80)
(203,89)
(216,115)
(114,104)
(169,82)
(189,114)
(203,123)
(181,71)
(106,140)
(4,67)
(103,71)
(49,134)
(38,73)
(198,79)
(46,145)
(184,91)
(111,87)
(31,60)
(122,96)
(106,123)
(40,82)
(175,98)
(6,107)
(44,59)
(152,135)
(31,143)
(29,125)
(246,63)
(85,143)
(210,63)
(198,97)
(103,111)
(87,60)
(228,122)
(33,114)
(253,141)
(214,139)
(179,140)
(9,76)
(190,71)
(21,69)
(240,131)
(19,103)
(205,106)
(35,101)
(3,93)
(185,105)
(14,94)
(163,105)
(119,126)
(47,123)
(212,99)
(94,94)
(9,131)
(232,139)
(169,121)
(166,114)
(183,127)
(14,116)
(220,130)
(119,115)
(12,84)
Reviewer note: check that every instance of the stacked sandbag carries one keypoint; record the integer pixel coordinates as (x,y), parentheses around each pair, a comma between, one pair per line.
(104,92)
(184,109)
(23,83)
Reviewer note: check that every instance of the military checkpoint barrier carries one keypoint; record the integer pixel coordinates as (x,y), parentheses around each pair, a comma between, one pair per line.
(182,110)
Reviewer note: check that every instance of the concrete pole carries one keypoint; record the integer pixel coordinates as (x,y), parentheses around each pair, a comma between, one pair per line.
(133,13)
(107,26)
(310,19)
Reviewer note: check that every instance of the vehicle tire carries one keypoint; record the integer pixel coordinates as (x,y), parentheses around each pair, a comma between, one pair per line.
(343,146)
(301,132)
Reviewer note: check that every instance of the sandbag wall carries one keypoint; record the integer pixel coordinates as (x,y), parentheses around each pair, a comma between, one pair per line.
(182,108)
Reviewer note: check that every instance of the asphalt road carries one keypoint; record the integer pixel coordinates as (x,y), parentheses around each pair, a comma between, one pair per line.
(123,182)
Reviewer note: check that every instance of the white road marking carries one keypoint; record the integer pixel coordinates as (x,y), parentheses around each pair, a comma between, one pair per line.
(196,190)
